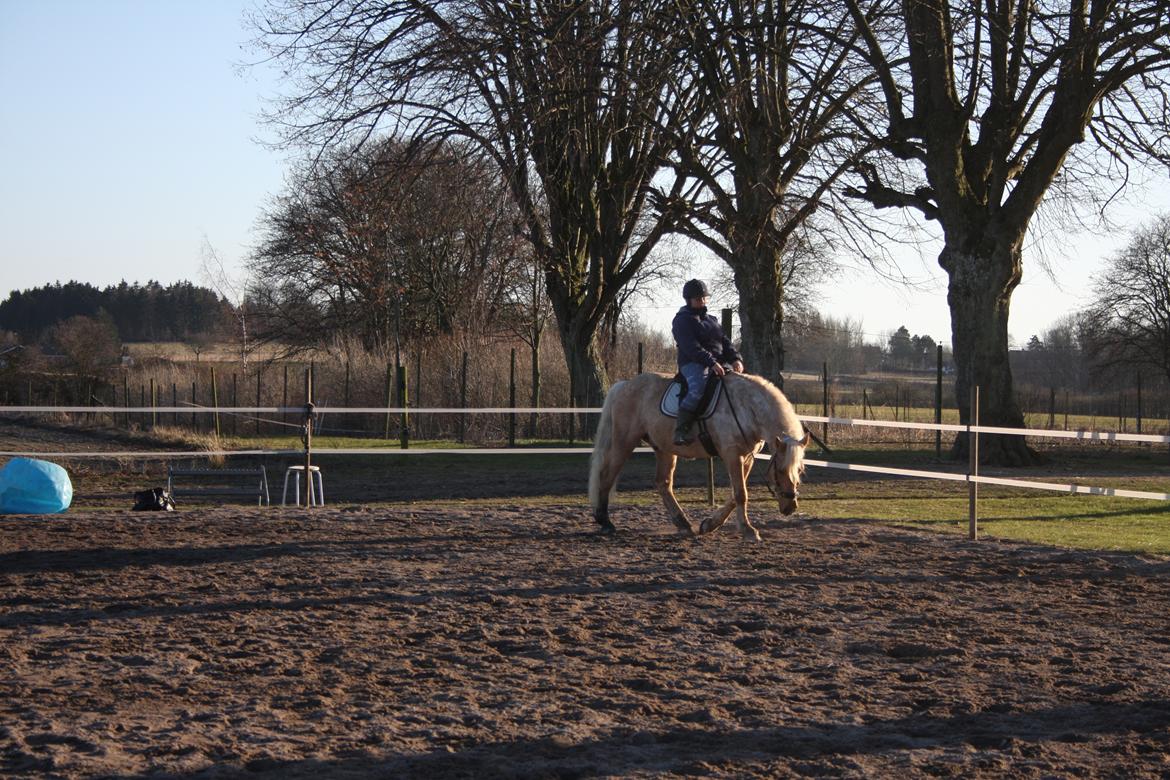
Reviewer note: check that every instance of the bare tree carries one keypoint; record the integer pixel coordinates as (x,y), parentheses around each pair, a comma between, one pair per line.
(764,134)
(560,94)
(230,289)
(1130,314)
(384,242)
(91,348)
(991,101)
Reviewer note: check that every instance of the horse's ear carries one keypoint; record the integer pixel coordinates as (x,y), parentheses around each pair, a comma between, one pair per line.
(780,446)
(804,441)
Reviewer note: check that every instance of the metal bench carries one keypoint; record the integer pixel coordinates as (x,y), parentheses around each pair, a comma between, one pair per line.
(223,482)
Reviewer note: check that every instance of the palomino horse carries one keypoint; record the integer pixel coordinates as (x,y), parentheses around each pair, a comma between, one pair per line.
(750,412)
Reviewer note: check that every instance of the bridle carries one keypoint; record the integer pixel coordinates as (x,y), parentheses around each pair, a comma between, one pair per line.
(776,494)
(774,465)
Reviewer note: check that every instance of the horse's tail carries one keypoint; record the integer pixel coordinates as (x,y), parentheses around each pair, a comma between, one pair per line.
(601,446)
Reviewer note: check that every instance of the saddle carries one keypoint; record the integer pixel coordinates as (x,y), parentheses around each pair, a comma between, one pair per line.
(677,390)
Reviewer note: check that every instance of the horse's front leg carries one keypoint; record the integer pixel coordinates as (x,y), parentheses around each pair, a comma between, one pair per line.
(737,472)
(664,482)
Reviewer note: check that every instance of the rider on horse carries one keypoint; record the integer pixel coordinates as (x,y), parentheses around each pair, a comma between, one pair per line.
(702,348)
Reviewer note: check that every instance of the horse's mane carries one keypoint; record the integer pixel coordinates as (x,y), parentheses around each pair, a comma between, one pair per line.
(789,425)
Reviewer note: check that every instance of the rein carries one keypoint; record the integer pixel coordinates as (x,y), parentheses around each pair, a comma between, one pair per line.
(789,494)
(731,406)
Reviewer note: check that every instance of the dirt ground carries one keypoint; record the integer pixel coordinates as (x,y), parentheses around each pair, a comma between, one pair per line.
(511,641)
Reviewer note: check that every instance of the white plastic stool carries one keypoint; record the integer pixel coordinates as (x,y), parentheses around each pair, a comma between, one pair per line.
(316,492)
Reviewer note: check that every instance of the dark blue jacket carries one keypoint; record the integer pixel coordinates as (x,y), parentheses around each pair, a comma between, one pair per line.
(700,338)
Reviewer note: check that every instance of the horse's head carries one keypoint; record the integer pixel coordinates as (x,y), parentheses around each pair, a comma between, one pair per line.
(785,469)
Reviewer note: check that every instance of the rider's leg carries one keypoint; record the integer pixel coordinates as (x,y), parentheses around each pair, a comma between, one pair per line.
(696,376)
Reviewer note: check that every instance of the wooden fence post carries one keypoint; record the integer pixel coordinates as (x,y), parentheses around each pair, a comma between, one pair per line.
(1139,403)
(512,399)
(404,429)
(308,436)
(389,398)
(418,391)
(235,403)
(463,399)
(259,381)
(973,467)
(825,401)
(938,402)
(215,401)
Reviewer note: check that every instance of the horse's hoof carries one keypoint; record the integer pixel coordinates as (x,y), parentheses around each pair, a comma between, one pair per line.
(704,528)
(689,531)
(751,535)
(606,528)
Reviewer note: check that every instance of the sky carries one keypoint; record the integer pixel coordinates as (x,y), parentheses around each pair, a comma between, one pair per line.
(131,140)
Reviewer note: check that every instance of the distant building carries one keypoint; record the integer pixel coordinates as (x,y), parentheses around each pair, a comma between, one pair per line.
(10,353)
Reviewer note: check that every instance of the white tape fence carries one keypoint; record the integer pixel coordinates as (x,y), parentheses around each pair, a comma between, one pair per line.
(1081,435)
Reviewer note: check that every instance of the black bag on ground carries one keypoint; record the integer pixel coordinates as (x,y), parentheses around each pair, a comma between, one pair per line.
(155,499)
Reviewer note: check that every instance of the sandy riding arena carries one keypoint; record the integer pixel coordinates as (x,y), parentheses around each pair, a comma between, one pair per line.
(510,641)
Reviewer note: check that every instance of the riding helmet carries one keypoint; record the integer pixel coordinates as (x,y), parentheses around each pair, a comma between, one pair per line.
(695,288)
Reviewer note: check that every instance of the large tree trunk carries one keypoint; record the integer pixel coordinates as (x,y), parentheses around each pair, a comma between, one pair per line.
(979,294)
(760,288)
(588,379)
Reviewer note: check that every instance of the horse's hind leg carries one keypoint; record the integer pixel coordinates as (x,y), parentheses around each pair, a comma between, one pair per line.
(664,482)
(607,478)
(716,521)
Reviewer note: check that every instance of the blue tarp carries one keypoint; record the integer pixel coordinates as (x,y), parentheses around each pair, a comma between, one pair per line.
(34,487)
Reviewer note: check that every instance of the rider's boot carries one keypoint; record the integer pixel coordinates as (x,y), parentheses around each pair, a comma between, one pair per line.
(682,427)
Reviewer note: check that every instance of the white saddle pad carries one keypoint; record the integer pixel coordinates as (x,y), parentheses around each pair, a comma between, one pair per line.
(670,399)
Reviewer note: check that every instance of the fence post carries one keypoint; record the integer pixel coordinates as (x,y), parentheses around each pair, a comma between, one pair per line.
(259,378)
(141,402)
(1051,408)
(418,389)
(973,467)
(235,403)
(404,429)
(175,403)
(215,401)
(1139,403)
(825,401)
(194,406)
(284,397)
(938,403)
(125,394)
(711,479)
(864,403)
(572,404)
(512,400)
(463,399)
(389,398)
(153,405)
(641,352)
(308,436)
